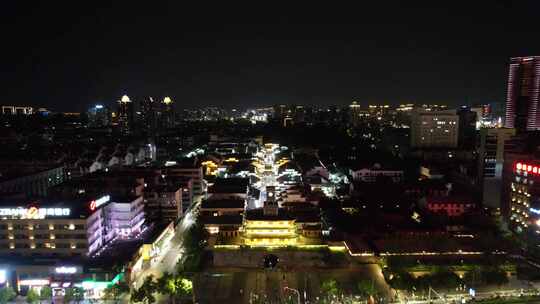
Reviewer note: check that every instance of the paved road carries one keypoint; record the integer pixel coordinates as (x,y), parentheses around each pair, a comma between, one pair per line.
(174,251)
(237,285)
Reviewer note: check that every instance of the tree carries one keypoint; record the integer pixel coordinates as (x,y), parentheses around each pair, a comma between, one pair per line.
(7,294)
(175,286)
(329,288)
(165,285)
(74,294)
(45,293)
(495,275)
(32,296)
(113,292)
(145,293)
(402,280)
(366,287)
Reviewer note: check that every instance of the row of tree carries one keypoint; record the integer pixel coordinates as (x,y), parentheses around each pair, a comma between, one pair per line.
(175,287)
(75,294)
(443,278)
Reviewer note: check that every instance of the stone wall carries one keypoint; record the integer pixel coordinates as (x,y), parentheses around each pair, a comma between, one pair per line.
(255,258)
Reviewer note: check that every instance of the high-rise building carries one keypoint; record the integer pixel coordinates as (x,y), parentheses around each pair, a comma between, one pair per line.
(434,129)
(523,90)
(167,113)
(99,116)
(148,115)
(354,111)
(467,127)
(491,148)
(125,115)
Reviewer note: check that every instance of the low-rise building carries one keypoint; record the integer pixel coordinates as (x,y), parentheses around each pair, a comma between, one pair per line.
(163,203)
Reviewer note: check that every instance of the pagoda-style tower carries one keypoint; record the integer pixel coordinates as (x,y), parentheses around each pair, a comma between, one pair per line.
(270,225)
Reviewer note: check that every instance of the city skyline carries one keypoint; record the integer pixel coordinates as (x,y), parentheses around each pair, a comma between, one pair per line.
(66,59)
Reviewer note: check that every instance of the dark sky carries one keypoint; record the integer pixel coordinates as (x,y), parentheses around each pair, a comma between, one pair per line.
(67,57)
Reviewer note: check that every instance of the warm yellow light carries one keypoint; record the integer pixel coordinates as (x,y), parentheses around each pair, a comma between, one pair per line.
(167,100)
(52,237)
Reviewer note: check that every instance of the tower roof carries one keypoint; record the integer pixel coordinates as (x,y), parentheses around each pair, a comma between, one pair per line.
(125,98)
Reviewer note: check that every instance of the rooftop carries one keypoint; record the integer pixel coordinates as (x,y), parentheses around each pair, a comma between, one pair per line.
(222,204)
(258,215)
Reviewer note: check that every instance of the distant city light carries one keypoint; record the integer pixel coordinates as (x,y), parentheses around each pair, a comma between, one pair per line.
(99,107)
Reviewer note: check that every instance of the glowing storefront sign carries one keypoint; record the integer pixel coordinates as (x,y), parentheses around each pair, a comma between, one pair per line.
(65,270)
(34,282)
(34,212)
(100,201)
(535,211)
(3,276)
(527,168)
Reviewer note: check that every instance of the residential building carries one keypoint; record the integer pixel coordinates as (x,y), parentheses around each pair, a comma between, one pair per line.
(163,203)
(491,148)
(434,129)
(99,116)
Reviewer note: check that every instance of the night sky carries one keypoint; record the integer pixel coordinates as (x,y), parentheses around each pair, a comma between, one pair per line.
(68,57)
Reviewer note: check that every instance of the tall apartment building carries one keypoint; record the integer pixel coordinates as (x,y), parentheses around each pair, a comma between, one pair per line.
(523,92)
(434,129)
(491,148)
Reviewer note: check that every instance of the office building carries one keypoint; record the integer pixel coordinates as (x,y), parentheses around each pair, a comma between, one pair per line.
(434,129)
(491,148)
(523,91)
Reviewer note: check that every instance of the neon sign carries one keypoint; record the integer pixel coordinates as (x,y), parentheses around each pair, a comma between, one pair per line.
(527,168)
(34,212)
(100,201)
